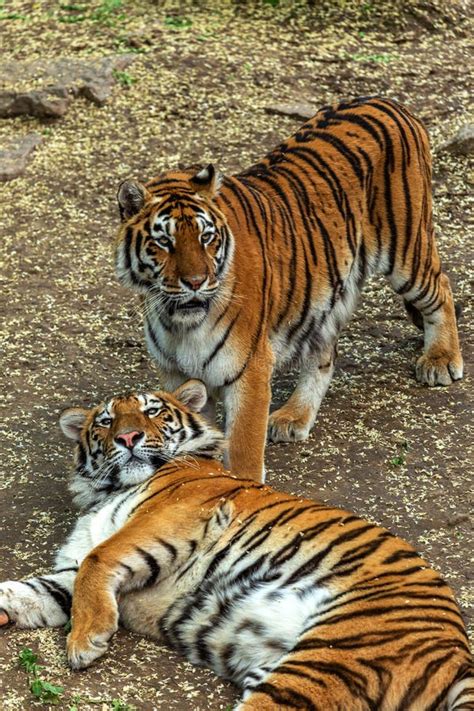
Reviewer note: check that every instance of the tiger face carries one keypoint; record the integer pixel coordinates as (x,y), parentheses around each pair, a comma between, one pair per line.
(124,441)
(174,244)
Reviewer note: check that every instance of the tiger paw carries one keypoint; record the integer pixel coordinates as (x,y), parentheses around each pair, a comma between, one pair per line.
(438,370)
(19,605)
(83,649)
(4,618)
(289,425)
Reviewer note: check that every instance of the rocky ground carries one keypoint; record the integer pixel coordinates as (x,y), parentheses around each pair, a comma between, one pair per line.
(197,89)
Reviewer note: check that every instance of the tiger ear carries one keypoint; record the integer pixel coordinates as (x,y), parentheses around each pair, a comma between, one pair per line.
(207,181)
(131,197)
(72,421)
(193,394)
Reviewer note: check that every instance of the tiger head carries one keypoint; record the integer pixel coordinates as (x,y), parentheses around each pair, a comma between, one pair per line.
(124,441)
(174,244)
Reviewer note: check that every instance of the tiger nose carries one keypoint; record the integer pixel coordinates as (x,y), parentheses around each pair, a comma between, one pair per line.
(129,439)
(194,281)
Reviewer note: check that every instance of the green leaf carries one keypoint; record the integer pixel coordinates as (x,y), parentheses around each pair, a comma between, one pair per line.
(72,6)
(117,705)
(106,12)
(178,23)
(45,691)
(12,16)
(28,660)
(399,459)
(380,58)
(72,19)
(36,688)
(124,78)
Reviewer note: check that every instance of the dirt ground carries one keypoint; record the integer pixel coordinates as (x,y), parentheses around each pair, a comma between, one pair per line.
(384,446)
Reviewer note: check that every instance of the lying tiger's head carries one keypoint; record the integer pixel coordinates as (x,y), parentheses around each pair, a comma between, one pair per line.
(174,243)
(124,441)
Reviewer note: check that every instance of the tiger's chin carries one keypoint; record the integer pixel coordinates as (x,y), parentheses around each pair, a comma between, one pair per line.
(134,472)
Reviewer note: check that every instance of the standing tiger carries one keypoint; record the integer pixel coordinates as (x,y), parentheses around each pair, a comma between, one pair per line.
(261,270)
(301,605)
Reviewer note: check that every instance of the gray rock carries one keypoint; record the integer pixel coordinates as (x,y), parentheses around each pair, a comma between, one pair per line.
(299,111)
(15,156)
(462,143)
(48,103)
(46,88)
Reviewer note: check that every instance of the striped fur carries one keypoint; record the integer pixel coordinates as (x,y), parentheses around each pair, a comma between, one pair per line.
(301,605)
(264,270)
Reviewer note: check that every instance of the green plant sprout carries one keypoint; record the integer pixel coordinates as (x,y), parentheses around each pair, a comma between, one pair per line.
(178,23)
(44,690)
(124,78)
(400,459)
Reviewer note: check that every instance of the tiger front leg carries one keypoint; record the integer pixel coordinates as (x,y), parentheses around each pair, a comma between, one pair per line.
(124,562)
(247,403)
(94,611)
(140,555)
(293,421)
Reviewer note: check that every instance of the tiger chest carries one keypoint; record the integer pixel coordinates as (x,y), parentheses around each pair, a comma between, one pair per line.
(201,352)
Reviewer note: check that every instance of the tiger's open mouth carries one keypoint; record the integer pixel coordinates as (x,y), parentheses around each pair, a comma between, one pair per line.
(193,305)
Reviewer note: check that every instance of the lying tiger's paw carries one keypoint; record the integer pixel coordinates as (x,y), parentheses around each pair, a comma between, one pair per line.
(20,605)
(4,618)
(439,370)
(289,425)
(82,650)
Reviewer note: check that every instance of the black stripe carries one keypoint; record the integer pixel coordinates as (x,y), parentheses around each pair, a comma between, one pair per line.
(419,684)
(363,551)
(387,610)
(127,248)
(287,697)
(355,682)
(60,594)
(129,570)
(152,564)
(290,549)
(401,554)
(312,564)
(288,671)
(221,342)
(172,550)
(342,148)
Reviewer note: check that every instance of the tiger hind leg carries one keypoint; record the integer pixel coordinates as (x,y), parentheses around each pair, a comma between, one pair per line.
(293,421)
(434,311)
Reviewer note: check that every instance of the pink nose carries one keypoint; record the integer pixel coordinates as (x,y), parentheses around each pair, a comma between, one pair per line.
(129,439)
(194,281)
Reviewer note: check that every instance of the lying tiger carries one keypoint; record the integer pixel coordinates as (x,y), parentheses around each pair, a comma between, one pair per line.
(260,271)
(301,605)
